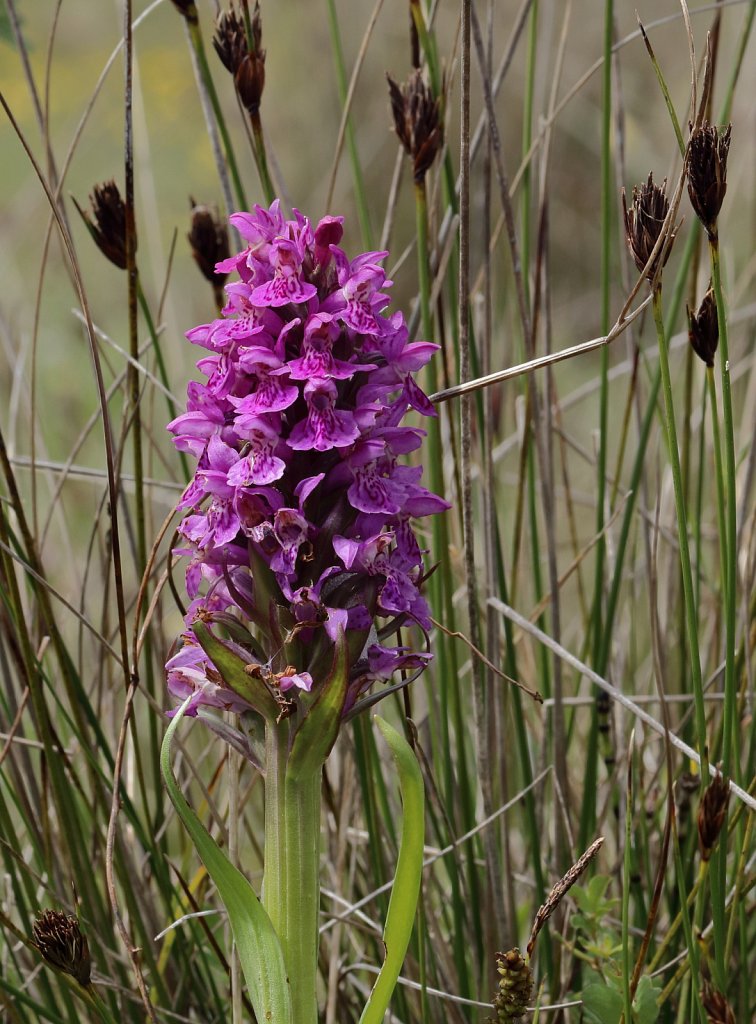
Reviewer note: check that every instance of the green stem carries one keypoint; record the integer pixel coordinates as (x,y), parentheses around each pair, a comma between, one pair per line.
(730,535)
(199,50)
(99,1006)
(423,271)
(627,859)
(691,940)
(274,884)
(440,585)
(160,363)
(682,533)
(291,890)
(261,157)
(597,632)
(721,496)
(302,855)
(360,194)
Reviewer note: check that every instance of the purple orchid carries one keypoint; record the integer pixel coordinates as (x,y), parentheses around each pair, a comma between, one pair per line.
(298,520)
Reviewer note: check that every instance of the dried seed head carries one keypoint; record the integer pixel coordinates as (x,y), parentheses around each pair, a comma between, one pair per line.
(188,9)
(703,328)
(718,1010)
(256,23)
(246,64)
(560,890)
(61,943)
(711,814)
(230,40)
(515,987)
(643,225)
(209,241)
(707,172)
(109,227)
(417,120)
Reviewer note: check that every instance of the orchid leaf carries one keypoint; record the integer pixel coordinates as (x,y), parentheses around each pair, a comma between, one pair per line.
(257,943)
(409,868)
(320,727)
(232,668)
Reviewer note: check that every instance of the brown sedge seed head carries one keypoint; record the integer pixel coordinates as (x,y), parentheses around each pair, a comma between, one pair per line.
(417,121)
(643,225)
(208,239)
(703,328)
(60,941)
(708,149)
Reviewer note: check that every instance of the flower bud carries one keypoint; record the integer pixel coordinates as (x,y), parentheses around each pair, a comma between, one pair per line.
(707,172)
(417,121)
(60,941)
(643,224)
(703,328)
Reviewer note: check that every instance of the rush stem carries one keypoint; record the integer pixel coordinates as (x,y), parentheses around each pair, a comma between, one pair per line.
(682,533)
(730,538)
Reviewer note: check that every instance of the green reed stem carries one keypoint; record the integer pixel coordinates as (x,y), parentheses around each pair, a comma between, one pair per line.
(682,533)
(195,35)
(363,212)
(691,940)
(94,1000)
(741,880)
(730,535)
(597,632)
(160,363)
(440,584)
(627,859)
(274,856)
(719,476)
(261,157)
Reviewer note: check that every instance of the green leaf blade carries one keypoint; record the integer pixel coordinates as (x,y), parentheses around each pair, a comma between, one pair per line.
(257,943)
(409,868)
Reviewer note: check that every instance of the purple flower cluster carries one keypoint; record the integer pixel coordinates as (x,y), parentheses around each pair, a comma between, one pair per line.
(298,519)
